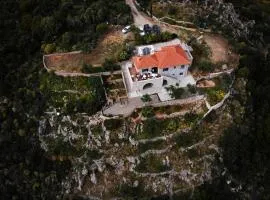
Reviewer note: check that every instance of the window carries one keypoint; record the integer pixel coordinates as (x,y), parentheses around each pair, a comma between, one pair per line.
(181,74)
(166,69)
(174,67)
(154,70)
(145,70)
(182,66)
(165,82)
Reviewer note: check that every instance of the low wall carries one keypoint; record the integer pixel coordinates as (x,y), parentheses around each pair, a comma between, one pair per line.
(179,101)
(213,75)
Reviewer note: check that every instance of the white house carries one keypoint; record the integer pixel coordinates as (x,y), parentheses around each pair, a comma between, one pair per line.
(159,65)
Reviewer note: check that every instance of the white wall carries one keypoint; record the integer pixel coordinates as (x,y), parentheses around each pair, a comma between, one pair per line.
(157,84)
(175,72)
(149,70)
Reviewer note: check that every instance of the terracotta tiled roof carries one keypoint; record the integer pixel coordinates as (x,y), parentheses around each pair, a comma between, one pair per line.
(169,56)
(145,61)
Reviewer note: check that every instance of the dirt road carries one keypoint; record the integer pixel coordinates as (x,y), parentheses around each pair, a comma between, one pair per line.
(139,17)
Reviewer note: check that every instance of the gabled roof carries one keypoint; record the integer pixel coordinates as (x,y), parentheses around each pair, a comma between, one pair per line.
(169,56)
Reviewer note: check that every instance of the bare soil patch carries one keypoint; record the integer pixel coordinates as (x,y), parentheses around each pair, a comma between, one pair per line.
(221,50)
(219,47)
(107,47)
(206,84)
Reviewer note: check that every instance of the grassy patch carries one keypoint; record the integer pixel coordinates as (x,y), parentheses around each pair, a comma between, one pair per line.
(73,94)
(187,139)
(155,128)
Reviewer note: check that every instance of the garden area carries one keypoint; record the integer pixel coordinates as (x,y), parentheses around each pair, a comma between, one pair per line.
(73,94)
(114,86)
(217,88)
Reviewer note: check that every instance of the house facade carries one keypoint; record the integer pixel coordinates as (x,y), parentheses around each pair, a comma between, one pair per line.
(157,66)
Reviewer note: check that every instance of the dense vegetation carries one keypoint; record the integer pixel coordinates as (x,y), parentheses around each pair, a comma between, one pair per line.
(246,143)
(28,26)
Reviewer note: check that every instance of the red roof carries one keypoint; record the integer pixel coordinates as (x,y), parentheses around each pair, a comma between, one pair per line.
(169,56)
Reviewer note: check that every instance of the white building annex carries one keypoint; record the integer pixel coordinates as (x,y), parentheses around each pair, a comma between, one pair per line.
(157,66)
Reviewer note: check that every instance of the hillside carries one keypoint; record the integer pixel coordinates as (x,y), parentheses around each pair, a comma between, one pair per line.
(56,143)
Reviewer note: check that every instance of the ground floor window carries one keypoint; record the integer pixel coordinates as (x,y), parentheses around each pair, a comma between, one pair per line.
(145,70)
(165,82)
(181,74)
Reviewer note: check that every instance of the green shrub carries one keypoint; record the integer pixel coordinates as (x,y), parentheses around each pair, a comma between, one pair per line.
(190,117)
(191,88)
(205,66)
(49,48)
(102,28)
(153,38)
(175,92)
(110,65)
(148,111)
(146,98)
(214,95)
(89,69)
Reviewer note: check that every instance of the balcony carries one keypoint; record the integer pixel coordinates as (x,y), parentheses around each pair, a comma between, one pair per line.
(135,76)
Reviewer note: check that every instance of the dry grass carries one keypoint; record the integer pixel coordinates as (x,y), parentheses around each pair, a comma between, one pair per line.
(221,50)
(107,47)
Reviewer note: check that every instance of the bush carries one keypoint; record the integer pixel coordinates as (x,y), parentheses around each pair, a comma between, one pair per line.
(153,38)
(175,92)
(205,66)
(190,117)
(102,28)
(192,88)
(146,98)
(89,69)
(148,111)
(49,48)
(110,65)
(215,95)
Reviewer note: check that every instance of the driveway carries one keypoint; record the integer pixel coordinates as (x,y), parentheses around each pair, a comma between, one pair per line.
(139,17)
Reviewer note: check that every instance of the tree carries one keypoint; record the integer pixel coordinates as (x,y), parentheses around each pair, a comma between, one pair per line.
(102,28)
(49,48)
(146,98)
